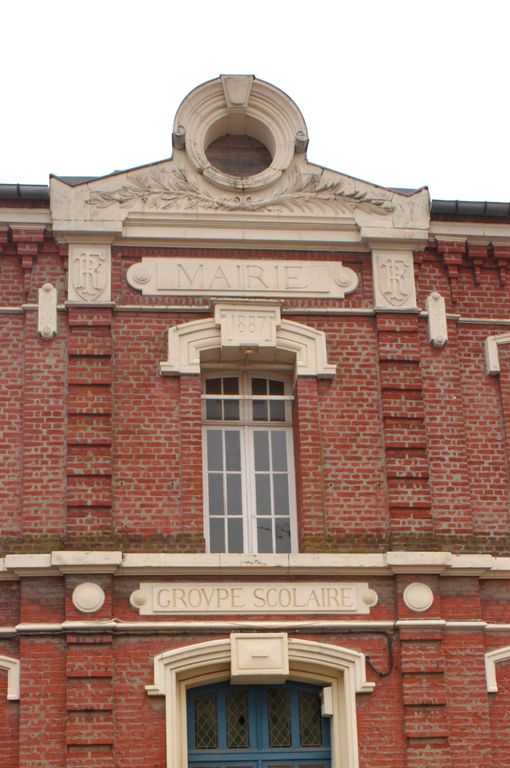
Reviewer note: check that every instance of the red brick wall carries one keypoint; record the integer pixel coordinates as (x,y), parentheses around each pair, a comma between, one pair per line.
(407,447)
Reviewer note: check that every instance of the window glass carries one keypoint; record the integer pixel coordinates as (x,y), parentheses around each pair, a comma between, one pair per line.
(248,475)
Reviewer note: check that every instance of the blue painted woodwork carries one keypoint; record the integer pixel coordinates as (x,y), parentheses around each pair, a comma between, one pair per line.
(259,753)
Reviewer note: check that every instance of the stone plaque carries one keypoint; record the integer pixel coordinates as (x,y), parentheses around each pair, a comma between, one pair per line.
(247,324)
(89,273)
(234,277)
(253,597)
(393,279)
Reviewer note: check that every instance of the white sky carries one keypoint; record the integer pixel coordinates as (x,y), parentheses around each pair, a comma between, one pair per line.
(400,93)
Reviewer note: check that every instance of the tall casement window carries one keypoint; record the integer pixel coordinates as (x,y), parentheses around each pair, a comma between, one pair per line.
(248,469)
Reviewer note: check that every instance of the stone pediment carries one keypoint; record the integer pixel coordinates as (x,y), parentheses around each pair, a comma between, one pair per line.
(235,192)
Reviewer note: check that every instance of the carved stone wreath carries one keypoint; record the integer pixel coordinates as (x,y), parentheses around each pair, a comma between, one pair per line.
(173,189)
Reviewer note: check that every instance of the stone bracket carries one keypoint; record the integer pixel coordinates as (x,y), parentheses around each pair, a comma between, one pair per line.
(47,312)
(437,325)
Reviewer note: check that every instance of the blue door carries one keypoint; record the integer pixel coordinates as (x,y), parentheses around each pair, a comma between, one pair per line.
(257,727)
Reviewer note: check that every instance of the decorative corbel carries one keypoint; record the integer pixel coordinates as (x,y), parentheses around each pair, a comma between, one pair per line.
(4,236)
(478,253)
(27,243)
(501,254)
(452,254)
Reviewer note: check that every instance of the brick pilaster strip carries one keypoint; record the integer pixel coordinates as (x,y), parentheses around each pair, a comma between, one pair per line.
(404,428)
(89,438)
(310,480)
(89,731)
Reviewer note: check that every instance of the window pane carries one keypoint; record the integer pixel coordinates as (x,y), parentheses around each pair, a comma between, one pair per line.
(213,410)
(213,386)
(279,450)
(261,450)
(217,534)
(264,535)
(206,731)
(235,534)
(279,718)
(237,719)
(281,495)
(276,387)
(260,410)
(230,410)
(214,450)
(231,386)
(259,387)
(233,450)
(310,720)
(263,494)
(277,410)
(216,500)
(234,501)
(282,526)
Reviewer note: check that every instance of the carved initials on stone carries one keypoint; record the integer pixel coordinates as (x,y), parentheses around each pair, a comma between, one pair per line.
(89,273)
(393,280)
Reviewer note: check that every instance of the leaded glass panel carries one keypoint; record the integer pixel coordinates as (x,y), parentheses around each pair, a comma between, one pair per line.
(206,728)
(310,720)
(237,719)
(278,705)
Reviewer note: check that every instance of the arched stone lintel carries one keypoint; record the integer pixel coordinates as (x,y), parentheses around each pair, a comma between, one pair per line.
(491,352)
(200,656)
(13,676)
(188,340)
(491,659)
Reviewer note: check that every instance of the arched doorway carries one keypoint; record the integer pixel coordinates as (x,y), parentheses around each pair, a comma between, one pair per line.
(257,726)
(179,671)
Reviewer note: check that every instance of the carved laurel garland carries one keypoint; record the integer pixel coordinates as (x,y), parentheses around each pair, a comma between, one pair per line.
(173,189)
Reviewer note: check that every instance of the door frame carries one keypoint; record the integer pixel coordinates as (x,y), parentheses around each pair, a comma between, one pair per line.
(341,669)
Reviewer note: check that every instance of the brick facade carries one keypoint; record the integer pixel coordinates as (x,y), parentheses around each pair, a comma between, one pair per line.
(402,456)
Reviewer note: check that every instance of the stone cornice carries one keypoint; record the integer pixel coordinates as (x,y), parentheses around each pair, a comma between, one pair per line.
(484,566)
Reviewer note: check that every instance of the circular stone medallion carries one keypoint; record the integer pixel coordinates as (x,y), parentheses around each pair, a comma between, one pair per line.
(418,597)
(88,597)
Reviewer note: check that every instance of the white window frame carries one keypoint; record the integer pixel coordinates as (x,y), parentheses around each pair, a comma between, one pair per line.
(246,428)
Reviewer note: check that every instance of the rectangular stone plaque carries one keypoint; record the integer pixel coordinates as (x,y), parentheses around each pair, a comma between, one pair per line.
(241,277)
(168,598)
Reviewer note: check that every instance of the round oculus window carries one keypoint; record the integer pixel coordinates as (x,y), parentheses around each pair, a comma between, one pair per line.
(238,155)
